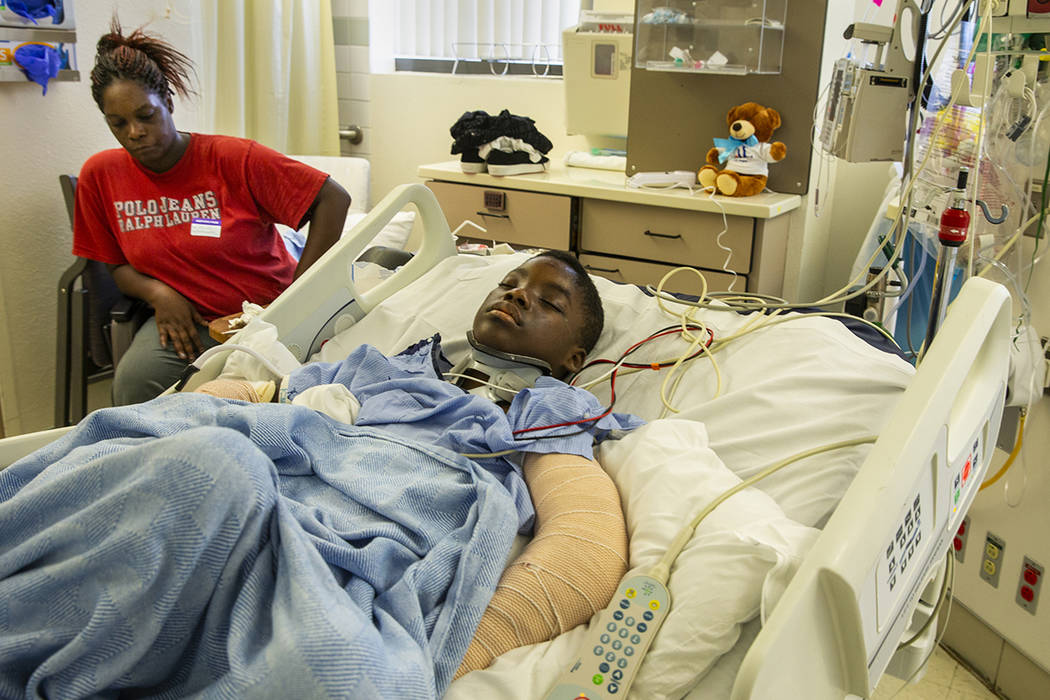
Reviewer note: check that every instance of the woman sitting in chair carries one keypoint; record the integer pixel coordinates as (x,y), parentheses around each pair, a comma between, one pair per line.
(185,221)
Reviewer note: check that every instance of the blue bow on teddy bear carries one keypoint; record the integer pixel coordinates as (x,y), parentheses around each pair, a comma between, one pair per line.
(727,146)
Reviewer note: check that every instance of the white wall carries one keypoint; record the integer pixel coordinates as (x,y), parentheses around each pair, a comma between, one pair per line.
(351,30)
(45,136)
(412,113)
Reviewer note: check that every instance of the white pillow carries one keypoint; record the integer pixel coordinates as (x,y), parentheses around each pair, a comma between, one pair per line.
(737,563)
(394,235)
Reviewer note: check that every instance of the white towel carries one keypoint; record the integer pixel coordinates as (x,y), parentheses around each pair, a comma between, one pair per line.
(585,159)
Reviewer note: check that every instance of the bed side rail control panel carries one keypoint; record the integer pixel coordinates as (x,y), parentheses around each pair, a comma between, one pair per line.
(854,598)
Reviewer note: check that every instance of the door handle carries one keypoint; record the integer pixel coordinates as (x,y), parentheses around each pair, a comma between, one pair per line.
(654,234)
(498,216)
(609,270)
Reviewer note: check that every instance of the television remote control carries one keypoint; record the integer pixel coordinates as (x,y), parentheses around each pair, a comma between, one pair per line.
(614,648)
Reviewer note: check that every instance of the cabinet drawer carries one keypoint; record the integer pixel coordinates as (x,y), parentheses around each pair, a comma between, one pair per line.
(643,273)
(675,236)
(524,219)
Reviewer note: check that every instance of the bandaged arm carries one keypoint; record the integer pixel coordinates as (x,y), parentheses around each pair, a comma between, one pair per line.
(570,569)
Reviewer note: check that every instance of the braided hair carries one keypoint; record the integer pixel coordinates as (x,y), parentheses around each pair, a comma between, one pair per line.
(142,58)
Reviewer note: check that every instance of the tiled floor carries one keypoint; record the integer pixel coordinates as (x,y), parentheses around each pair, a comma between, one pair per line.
(945,679)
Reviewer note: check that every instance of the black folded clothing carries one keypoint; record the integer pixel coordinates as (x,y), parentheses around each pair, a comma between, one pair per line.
(514,126)
(465,132)
(476,128)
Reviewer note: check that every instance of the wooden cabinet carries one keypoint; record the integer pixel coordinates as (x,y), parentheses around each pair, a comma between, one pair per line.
(524,219)
(643,273)
(675,236)
(626,235)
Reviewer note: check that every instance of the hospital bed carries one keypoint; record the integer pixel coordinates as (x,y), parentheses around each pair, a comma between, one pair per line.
(802,585)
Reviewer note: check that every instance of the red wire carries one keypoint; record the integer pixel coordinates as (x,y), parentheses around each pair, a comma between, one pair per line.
(612,379)
(612,400)
(650,365)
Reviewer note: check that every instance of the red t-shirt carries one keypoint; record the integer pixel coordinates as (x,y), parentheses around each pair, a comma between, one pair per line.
(205,227)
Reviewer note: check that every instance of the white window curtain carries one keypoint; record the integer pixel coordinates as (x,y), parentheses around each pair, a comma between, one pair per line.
(268,73)
(527,30)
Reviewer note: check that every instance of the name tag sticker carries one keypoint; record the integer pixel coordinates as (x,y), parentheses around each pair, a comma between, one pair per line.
(211,228)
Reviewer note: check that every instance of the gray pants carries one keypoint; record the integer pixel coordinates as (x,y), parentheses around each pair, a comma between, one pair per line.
(147,369)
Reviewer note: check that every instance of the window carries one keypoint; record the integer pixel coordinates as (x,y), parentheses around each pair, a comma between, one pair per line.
(501,37)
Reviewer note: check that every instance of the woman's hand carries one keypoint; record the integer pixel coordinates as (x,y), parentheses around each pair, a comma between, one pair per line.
(177,319)
(178,322)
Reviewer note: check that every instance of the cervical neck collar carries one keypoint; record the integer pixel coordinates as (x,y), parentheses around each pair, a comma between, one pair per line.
(506,373)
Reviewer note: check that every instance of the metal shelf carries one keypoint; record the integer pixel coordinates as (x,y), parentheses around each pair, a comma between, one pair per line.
(15,74)
(66,36)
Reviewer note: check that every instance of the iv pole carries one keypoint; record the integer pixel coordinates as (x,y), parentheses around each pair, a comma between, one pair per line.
(954,223)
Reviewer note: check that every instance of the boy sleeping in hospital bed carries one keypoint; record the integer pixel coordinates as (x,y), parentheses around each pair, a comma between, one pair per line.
(196,544)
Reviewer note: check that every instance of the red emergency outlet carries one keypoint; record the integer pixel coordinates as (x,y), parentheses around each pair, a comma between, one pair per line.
(1027,593)
(1036,7)
(1031,576)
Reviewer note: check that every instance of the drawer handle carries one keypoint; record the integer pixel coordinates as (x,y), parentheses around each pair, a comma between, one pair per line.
(609,270)
(498,216)
(661,235)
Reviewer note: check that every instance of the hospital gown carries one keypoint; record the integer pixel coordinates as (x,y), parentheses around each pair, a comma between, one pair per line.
(407,395)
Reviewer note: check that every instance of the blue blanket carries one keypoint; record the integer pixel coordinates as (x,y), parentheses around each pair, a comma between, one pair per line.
(196,546)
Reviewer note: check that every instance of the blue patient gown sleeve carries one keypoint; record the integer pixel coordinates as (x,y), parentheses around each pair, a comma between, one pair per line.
(407,395)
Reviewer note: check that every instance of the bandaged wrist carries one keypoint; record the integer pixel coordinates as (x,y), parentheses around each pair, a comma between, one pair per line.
(569,570)
(239,389)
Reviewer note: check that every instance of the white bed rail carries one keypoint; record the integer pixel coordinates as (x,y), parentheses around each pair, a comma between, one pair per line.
(330,279)
(16,447)
(840,620)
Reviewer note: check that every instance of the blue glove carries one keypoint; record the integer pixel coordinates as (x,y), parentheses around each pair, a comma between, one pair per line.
(39,62)
(729,145)
(37,9)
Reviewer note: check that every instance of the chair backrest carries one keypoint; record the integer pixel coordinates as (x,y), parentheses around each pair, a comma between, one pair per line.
(102,291)
(349,171)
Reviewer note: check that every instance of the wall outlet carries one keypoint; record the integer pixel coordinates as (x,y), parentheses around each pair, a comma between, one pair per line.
(1046,363)
(959,541)
(999,7)
(1029,585)
(992,559)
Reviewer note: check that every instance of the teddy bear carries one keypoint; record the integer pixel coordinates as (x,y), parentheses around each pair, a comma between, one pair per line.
(738,166)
